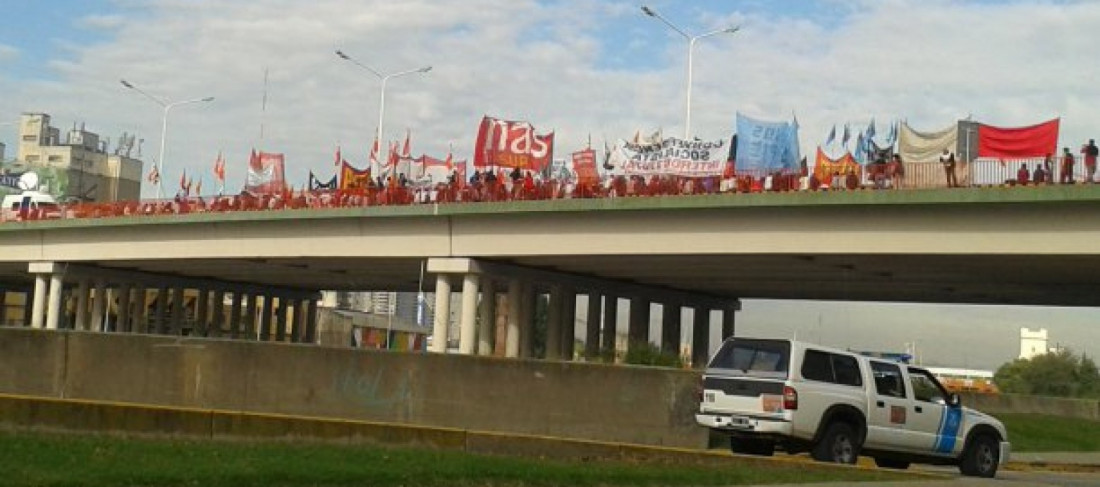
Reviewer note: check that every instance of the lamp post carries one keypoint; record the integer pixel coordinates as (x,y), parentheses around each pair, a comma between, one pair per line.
(167,106)
(382,94)
(691,48)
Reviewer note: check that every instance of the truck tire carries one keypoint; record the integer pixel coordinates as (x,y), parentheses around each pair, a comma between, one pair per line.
(839,444)
(891,463)
(751,446)
(981,457)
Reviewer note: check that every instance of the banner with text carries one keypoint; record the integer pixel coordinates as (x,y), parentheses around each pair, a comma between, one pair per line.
(504,143)
(265,173)
(672,157)
(766,146)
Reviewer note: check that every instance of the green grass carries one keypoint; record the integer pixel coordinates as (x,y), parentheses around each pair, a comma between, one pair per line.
(1041,433)
(63,460)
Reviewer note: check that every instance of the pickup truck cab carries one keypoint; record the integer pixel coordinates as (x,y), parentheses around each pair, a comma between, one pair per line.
(838,404)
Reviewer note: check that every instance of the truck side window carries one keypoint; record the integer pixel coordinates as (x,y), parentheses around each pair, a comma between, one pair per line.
(830,367)
(924,389)
(888,379)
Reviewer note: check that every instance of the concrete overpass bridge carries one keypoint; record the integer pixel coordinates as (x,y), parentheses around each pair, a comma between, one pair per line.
(1032,245)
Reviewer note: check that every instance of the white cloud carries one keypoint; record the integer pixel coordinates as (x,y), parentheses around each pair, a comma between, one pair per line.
(8,53)
(103,22)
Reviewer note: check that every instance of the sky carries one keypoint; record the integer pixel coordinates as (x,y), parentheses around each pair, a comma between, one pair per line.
(588,70)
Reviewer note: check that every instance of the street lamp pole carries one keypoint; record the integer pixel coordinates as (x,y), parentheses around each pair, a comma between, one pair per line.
(381,95)
(690,61)
(167,106)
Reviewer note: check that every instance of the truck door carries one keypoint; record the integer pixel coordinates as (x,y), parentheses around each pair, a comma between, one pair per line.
(887,415)
(933,424)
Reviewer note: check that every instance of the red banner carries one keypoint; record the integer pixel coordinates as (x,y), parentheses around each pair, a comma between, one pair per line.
(1018,143)
(503,143)
(584,164)
(352,178)
(265,173)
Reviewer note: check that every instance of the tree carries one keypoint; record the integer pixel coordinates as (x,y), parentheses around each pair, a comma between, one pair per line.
(1061,373)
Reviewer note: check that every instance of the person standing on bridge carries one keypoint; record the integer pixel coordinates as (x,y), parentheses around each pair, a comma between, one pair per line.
(1090,151)
(948,161)
(1067,167)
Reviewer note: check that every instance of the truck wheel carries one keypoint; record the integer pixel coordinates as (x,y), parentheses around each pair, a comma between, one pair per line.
(890,463)
(981,458)
(752,446)
(838,445)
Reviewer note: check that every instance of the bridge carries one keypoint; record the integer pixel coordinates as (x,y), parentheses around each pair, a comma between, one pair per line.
(1034,245)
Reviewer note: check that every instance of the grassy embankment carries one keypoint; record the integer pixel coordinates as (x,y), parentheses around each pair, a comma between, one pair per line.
(1041,433)
(62,460)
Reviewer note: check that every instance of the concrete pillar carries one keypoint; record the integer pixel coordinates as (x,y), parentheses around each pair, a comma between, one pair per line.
(511,339)
(727,322)
(311,321)
(99,305)
(160,321)
(178,314)
(670,329)
(265,317)
(217,311)
(297,330)
(568,323)
(553,323)
(141,311)
(526,320)
(467,330)
(38,310)
(235,315)
(202,313)
(638,334)
(123,325)
(53,307)
(700,337)
(80,320)
(592,330)
(442,321)
(500,337)
(250,317)
(610,325)
(486,318)
(280,319)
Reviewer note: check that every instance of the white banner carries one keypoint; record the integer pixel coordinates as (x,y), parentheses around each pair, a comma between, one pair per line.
(672,157)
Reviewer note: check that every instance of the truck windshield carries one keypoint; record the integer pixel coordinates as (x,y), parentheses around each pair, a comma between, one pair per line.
(758,358)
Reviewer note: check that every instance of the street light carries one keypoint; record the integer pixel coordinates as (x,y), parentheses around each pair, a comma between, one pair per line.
(691,47)
(164,127)
(382,95)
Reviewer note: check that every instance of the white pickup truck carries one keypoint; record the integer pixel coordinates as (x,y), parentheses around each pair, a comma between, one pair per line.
(837,405)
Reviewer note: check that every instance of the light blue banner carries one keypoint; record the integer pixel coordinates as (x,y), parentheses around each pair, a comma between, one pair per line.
(766,146)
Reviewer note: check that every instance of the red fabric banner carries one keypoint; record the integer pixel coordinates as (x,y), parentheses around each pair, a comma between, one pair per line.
(265,173)
(584,163)
(1020,142)
(504,143)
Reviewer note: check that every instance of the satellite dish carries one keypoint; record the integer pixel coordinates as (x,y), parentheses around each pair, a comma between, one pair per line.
(28,181)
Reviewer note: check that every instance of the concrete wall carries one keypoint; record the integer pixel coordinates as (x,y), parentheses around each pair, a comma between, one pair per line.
(1054,406)
(588,401)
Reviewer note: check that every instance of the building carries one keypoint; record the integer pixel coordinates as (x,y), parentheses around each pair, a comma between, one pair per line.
(78,168)
(1034,342)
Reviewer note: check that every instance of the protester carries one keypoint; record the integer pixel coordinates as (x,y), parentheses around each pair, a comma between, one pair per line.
(947,159)
(1090,151)
(1067,167)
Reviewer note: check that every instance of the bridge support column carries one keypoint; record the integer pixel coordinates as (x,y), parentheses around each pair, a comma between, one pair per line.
(299,328)
(141,311)
(123,324)
(160,322)
(217,309)
(638,334)
(99,305)
(568,323)
(202,313)
(486,317)
(178,313)
(670,329)
(280,319)
(592,327)
(80,318)
(700,337)
(442,322)
(610,327)
(265,318)
(554,323)
(250,317)
(728,320)
(235,315)
(511,340)
(53,306)
(527,320)
(311,321)
(467,330)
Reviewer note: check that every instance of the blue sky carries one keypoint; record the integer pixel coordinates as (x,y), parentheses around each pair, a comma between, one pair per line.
(581,68)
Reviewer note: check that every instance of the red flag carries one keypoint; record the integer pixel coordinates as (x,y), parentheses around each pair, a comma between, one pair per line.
(374,154)
(154,175)
(449,162)
(338,158)
(183,181)
(392,162)
(406,152)
(219,168)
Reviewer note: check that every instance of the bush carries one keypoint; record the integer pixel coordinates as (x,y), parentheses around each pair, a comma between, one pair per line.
(645,353)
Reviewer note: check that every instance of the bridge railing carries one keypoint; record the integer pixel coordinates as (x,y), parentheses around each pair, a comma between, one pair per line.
(912,176)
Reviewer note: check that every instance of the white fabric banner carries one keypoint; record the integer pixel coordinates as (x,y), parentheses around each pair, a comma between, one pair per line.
(916,146)
(672,157)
